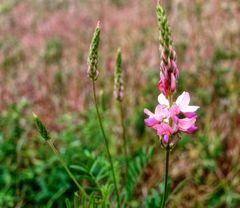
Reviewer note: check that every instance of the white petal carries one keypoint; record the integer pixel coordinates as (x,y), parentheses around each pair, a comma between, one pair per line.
(163,100)
(183,99)
(189,108)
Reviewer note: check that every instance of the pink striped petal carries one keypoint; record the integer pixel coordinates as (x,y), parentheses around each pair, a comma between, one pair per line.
(150,122)
(192,130)
(148,112)
(185,123)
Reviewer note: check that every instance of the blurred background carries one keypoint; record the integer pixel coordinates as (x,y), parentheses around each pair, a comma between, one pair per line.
(43,62)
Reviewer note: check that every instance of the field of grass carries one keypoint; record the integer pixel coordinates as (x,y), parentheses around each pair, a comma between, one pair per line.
(44,48)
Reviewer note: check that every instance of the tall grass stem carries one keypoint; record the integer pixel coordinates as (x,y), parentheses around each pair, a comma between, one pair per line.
(81,189)
(125,144)
(106,143)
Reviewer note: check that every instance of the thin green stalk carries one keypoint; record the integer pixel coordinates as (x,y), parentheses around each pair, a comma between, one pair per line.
(81,189)
(166,176)
(106,142)
(125,146)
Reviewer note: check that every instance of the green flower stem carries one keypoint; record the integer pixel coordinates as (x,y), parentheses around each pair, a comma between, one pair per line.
(106,142)
(81,189)
(125,145)
(167,149)
(166,176)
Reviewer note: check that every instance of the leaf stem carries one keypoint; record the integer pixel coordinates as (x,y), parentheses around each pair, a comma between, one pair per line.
(106,142)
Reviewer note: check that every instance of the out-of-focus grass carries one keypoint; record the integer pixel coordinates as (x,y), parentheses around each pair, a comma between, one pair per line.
(43,68)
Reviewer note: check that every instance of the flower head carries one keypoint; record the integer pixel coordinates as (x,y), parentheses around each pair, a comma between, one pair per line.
(170,120)
(118,79)
(93,55)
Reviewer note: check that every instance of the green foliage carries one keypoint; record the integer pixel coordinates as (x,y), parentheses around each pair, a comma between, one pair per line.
(54,51)
(118,79)
(154,199)
(135,169)
(210,152)
(13,54)
(223,54)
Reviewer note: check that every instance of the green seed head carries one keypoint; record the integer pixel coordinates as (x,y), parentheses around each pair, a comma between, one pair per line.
(93,54)
(164,30)
(41,128)
(118,79)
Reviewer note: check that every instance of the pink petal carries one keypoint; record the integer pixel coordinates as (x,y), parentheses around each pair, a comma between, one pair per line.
(163,100)
(162,84)
(173,82)
(188,108)
(192,130)
(148,112)
(183,99)
(161,112)
(163,129)
(174,110)
(185,123)
(189,114)
(150,122)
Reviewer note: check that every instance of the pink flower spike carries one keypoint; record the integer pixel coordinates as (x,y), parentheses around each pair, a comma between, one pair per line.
(183,102)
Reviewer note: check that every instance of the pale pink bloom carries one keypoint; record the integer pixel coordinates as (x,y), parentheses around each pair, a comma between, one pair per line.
(164,130)
(154,118)
(183,103)
(160,119)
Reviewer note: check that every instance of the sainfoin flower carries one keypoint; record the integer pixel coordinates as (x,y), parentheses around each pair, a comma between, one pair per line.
(169,120)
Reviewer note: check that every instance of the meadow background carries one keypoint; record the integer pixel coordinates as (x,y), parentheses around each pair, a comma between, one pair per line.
(43,63)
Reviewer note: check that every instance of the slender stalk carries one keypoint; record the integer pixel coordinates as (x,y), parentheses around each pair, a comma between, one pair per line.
(67,169)
(125,145)
(106,143)
(166,176)
(167,149)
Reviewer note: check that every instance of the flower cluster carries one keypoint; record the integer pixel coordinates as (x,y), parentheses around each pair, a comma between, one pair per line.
(170,118)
